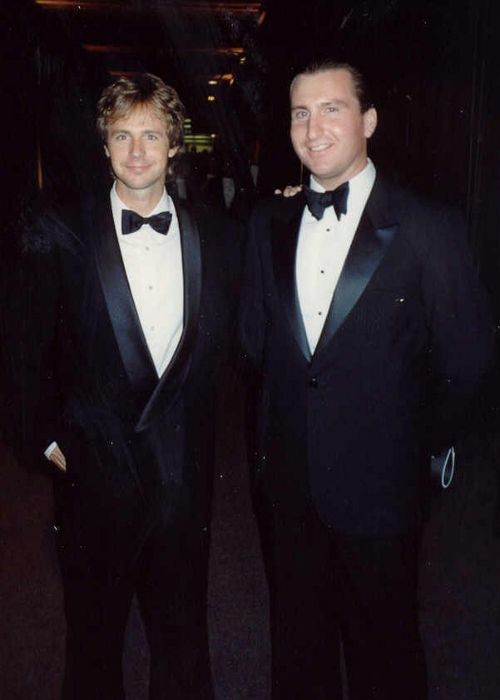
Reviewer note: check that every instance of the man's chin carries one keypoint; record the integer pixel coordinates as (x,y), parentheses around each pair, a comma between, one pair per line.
(138,184)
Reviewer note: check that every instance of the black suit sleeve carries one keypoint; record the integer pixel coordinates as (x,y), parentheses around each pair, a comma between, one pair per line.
(252,321)
(462,355)
(32,320)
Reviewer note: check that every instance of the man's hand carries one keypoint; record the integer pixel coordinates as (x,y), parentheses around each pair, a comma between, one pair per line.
(58,459)
(289,191)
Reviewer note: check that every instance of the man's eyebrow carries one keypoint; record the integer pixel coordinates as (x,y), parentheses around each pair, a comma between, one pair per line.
(127,131)
(334,101)
(118,131)
(325,103)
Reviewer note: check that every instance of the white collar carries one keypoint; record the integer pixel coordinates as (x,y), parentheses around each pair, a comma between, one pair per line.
(117,205)
(362,180)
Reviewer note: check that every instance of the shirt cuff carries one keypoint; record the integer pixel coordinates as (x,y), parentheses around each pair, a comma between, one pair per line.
(50,449)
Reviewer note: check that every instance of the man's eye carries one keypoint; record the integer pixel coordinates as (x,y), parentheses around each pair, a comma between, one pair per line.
(300,114)
(152,137)
(330,109)
(120,137)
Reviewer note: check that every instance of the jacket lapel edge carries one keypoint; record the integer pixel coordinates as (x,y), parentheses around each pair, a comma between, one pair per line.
(175,374)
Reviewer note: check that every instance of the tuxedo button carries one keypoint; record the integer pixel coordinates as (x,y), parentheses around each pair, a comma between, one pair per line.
(313,382)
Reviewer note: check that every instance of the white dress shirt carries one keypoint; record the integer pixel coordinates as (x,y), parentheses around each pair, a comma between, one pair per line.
(322,249)
(153,265)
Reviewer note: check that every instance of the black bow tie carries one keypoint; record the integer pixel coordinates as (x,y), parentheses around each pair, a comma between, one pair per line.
(319,201)
(132,221)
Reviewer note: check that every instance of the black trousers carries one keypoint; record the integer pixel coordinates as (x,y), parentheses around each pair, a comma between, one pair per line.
(329,589)
(169,578)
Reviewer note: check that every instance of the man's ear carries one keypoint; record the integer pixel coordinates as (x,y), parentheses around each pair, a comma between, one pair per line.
(106,151)
(173,151)
(370,121)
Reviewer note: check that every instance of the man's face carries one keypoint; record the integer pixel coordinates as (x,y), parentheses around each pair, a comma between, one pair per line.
(138,147)
(328,130)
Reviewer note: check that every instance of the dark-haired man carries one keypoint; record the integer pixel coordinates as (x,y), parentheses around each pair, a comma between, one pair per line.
(364,321)
(130,316)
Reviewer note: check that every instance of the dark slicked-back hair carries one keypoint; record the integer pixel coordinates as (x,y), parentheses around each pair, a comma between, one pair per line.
(361,87)
(145,89)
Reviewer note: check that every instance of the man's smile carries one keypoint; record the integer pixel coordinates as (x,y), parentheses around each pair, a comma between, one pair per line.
(319,147)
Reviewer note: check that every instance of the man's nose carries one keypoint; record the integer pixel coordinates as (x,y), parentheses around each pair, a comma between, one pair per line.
(136,147)
(313,126)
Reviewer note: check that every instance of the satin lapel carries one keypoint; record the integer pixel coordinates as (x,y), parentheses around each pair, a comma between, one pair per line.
(285,233)
(172,380)
(121,308)
(367,251)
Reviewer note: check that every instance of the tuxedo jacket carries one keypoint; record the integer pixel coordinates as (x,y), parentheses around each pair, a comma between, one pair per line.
(405,351)
(138,447)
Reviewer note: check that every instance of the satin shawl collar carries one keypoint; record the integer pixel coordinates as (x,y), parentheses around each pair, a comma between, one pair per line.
(123,315)
(172,380)
(375,232)
(285,228)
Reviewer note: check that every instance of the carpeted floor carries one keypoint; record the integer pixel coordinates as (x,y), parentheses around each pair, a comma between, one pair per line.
(460,587)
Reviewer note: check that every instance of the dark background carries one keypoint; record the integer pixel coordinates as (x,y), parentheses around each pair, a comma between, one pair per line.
(433,66)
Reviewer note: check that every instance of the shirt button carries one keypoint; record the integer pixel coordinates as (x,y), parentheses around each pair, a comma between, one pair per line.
(150,286)
(152,328)
(146,247)
(313,382)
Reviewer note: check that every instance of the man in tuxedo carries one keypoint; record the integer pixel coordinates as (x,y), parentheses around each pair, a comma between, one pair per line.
(130,305)
(364,323)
